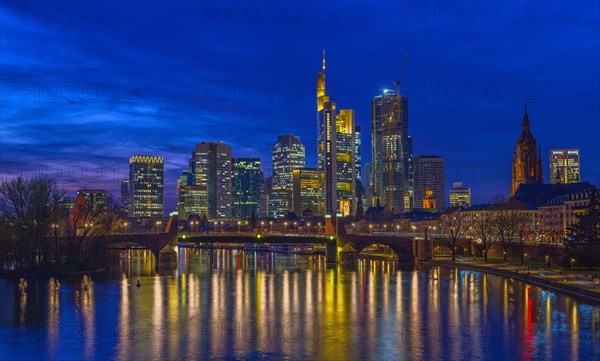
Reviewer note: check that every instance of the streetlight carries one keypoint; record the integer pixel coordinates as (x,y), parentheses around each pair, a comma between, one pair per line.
(572,261)
(398,229)
(337,222)
(353,228)
(319,229)
(222,226)
(285,228)
(55,227)
(384,228)
(414,228)
(271,226)
(308,224)
(239,227)
(157,224)
(262,226)
(296,225)
(370,228)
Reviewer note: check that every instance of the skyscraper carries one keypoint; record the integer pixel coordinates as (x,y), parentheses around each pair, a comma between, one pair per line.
(336,153)
(146,186)
(564,166)
(247,179)
(125,194)
(369,185)
(429,173)
(212,169)
(360,186)
(308,191)
(392,152)
(460,196)
(527,160)
(345,154)
(191,199)
(288,154)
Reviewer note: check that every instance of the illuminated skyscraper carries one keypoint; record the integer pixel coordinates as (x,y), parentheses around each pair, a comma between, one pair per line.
(345,165)
(125,194)
(336,142)
(369,186)
(191,199)
(392,152)
(429,174)
(247,178)
(288,154)
(527,159)
(212,170)
(146,186)
(564,166)
(460,196)
(308,191)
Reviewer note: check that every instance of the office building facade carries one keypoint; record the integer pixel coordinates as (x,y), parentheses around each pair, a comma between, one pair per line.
(146,186)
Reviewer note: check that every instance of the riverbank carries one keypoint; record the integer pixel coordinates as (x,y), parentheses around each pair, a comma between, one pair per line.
(570,284)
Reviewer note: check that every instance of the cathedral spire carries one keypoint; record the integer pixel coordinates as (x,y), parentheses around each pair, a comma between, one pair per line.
(526,119)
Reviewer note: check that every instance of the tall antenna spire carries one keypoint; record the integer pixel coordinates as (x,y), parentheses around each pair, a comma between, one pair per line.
(323,61)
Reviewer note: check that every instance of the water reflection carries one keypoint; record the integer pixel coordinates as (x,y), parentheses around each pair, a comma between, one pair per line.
(236,304)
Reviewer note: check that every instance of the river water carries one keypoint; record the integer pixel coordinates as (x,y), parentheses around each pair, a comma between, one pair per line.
(227,304)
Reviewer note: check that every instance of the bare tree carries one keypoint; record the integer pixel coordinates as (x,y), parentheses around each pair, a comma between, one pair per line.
(503,223)
(26,211)
(87,225)
(482,228)
(455,223)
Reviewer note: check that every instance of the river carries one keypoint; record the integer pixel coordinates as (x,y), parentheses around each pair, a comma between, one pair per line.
(228,304)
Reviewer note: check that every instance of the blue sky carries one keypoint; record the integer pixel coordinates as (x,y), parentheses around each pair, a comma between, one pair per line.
(85,85)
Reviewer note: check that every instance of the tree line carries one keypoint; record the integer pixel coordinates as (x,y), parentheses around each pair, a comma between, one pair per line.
(33,218)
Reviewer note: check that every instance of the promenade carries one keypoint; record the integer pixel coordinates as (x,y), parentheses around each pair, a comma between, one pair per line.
(579,283)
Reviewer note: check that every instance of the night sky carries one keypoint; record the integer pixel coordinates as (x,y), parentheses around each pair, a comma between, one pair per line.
(86,86)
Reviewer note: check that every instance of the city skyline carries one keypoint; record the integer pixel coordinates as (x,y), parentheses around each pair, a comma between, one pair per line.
(133,113)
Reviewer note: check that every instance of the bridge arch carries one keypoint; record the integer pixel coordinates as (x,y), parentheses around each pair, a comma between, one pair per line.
(401,253)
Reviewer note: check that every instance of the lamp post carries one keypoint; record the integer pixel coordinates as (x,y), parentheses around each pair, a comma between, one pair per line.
(353,228)
(285,227)
(125,224)
(55,228)
(296,225)
(370,229)
(262,226)
(239,227)
(271,226)
(384,228)
(319,229)
(157,224)
(398,229)
(337,222)
(572,261)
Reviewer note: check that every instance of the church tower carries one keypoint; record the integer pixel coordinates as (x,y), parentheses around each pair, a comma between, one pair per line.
(429,201)
(527,160)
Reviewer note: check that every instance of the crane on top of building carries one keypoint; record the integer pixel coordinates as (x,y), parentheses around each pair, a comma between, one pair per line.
(397,82)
